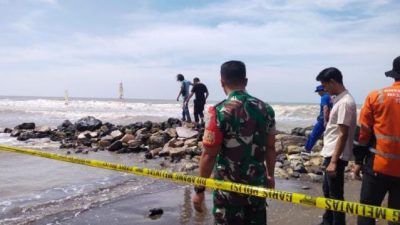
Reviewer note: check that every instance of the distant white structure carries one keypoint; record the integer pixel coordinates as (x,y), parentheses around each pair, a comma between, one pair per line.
(66,97)
(121,91)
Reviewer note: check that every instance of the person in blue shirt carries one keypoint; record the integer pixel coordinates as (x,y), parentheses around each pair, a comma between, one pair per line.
(322,120)
(184,91)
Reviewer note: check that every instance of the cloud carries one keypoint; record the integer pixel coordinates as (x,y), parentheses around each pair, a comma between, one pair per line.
(284,43)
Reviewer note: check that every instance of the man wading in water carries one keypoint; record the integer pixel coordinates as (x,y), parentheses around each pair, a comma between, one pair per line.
(238,140)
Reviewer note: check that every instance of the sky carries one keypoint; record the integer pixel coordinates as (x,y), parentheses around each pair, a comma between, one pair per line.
(88,46)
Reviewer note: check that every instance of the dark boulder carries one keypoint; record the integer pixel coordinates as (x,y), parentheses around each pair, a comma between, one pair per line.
(67,126)
(7,130)
(117,145)
(26,135)
(88,123)
(26,126)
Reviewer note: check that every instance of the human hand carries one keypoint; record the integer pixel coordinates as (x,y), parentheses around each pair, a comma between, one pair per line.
(177,99)
(270,182)
(331,169)
(357,172)
(198,200)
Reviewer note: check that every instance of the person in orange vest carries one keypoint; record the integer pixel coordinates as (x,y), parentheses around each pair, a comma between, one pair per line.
(378,148)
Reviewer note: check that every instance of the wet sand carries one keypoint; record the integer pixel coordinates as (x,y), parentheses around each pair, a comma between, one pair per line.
(176,203)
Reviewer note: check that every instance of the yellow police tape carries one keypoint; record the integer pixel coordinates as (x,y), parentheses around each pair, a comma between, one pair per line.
(296,198)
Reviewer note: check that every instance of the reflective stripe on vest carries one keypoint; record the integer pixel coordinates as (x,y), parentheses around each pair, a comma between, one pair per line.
(384,154)
(387,137)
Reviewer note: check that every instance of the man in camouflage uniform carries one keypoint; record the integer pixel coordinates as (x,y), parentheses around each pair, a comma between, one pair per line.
(239,144)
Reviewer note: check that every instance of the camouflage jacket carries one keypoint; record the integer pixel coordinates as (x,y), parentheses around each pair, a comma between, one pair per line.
(244,122)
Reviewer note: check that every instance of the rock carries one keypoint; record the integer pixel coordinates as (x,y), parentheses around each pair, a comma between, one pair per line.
(25,136)
(43,129)
(189,167)
(288,140)
(148,125)
(316,161)
(173,123)
(84,135)
(279,147)
(185,132)
(305,188)
(177,152)
(88,123)
(67,126)
(104,143)
(278,164)
(127,137)
(300,169)
(295,174)
(171,132)
(26,126)
(115,146)
(176,143)
(191,142)
(116,134)
(281,173)
(152,153)
(155,213)
(316,170)
(15,133)
(7,130)
(157,140)
(293,149)
(135,146)
(315,177)
(281,158)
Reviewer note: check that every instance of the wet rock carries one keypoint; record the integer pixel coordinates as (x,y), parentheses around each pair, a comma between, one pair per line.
(279,164)
(153,153)
(281,158)
(279,147)
(177,152)
(25,136)
(155,213)
(127,137)
(85,142)
(26,126)
(115,146)
(185,132)
(295,174)
(190,166)
(293,149)
(176,143)
(88,123)
(136,146)
(116,134)
(148,125)
(281,173)
(316,161)
(171,132)
(84,135)
(43,129)
(15,133)
(7,130)
(173,123)
(288,140)
(191,142)
(67,126)
(315,177)
(157,140)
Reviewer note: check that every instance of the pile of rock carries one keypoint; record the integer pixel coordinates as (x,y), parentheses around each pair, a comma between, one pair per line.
(171,140)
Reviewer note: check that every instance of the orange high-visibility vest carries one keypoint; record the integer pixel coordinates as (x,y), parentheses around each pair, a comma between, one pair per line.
(380,116)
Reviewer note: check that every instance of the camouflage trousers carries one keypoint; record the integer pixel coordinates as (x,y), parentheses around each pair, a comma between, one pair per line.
(240,215)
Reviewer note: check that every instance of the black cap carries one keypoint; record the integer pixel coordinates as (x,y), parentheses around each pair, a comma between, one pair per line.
(395,72)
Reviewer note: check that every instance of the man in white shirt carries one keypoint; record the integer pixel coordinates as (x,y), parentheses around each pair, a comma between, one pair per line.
(338,140)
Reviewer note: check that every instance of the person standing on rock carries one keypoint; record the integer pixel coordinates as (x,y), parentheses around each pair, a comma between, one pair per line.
(201,94)
(239,145)
(379,146)
(184,91)
(322,120)
(338,140)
